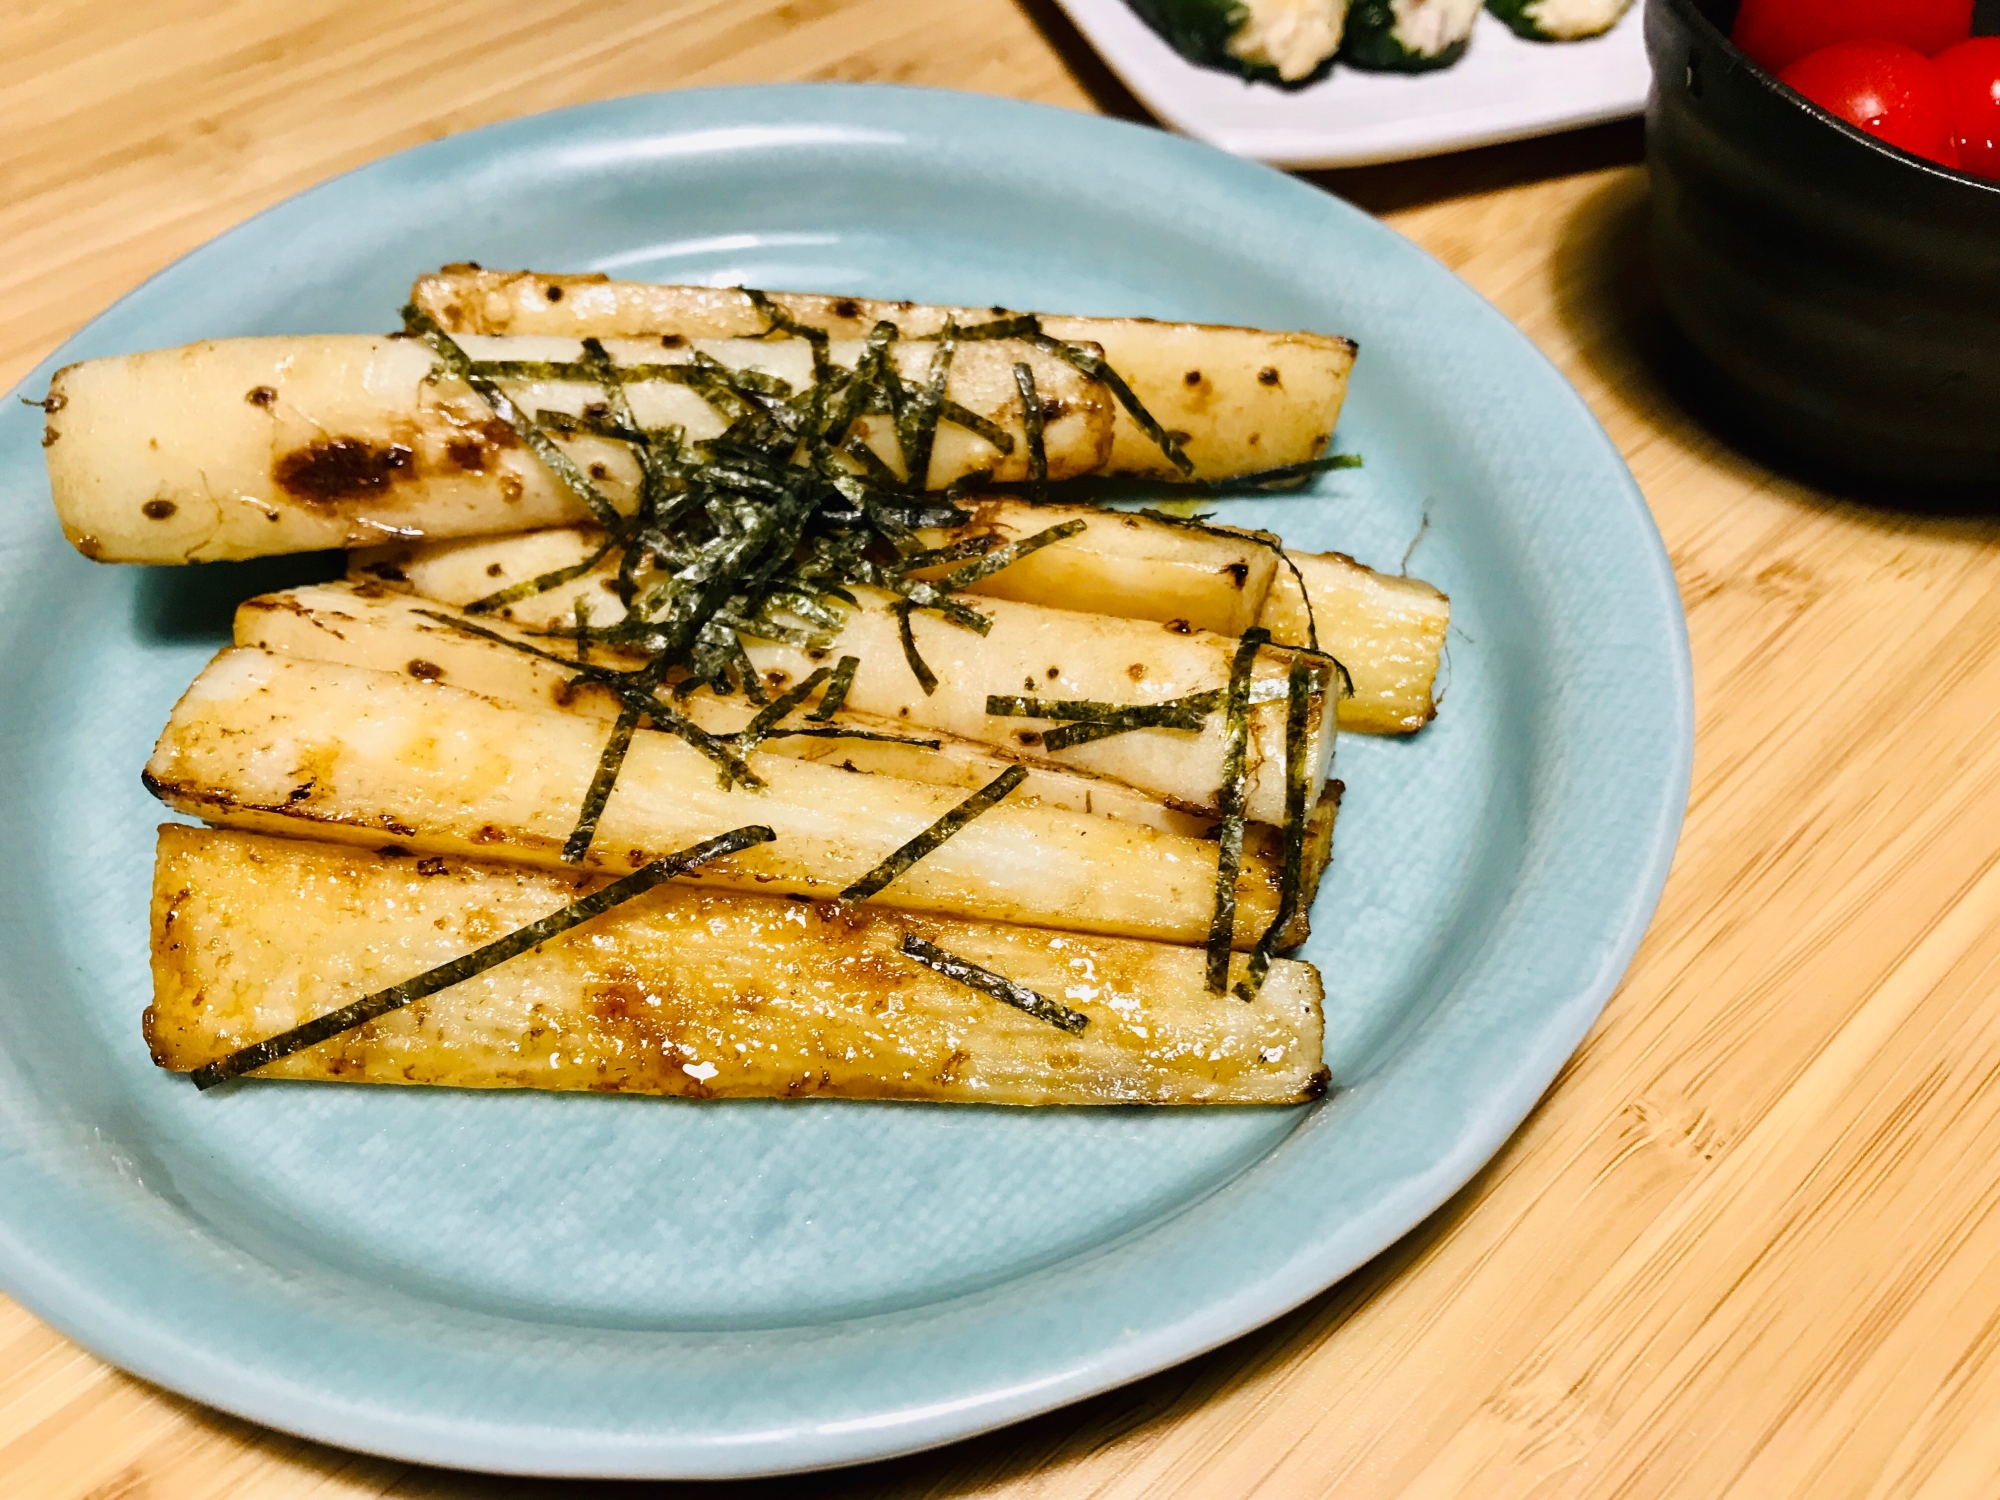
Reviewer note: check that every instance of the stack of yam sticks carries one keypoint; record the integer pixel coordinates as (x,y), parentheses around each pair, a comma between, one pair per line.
(742,694)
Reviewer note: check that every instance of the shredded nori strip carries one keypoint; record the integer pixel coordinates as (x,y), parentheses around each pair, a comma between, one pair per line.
(1229,831)
(836,690)
(967,574)
(1066,736)
(932,837)
(1031,423)
(457,362)
(609,764)
(1291,878)
(999,986)
(773,713)
(444,976)
(842,732)
(958,551)
(542,583)
(1082,720)
(916,424)
(961,416)
(919,668)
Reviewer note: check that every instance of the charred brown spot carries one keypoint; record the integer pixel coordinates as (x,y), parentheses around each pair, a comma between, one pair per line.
(1268,375)
(423,671)
(1027,736)
(1053,410)
(1027,684)
(300,792)
(325,473)
(369,591)
(847,307)
(553,292)
(261,395)
(496,433)
(393,851)
(432,866)
(401,830)
(671,341)
(1137,671)
(598,471)
(609,585)
(158,510)
(510,488)
(1054,673)
(1180,627)
(1239,572)
(597,411)
(388,572)
(49,437)
(494,570)
(948,1074)
(775,678)
(1255,438)
(815,653)
(1193,377)
(489,835)
(468,454)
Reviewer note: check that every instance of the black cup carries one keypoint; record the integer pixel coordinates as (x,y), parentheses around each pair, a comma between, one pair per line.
(1840,299)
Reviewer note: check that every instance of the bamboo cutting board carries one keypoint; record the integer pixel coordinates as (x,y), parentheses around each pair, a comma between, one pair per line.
(1749,1246)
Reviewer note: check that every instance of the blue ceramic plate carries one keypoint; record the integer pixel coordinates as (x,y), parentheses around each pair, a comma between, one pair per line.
(593,1285)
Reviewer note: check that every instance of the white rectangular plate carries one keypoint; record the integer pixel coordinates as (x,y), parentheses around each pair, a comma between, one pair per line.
(1503,89)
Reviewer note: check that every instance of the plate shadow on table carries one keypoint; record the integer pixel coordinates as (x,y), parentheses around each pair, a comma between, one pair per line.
(1609,301)
(1039,1447)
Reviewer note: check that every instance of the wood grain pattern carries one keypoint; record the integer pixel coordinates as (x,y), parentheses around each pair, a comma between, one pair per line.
(1749,1246)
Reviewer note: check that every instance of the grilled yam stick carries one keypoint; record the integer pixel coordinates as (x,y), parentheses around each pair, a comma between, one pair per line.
(367,625)
(1030,650)
(686,991)
(250,447)
(1246,399)
(282,745)
(364,624)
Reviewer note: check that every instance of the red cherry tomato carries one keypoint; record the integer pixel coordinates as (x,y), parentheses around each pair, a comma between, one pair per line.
(1887,89)
(1777,33)
(1972,94)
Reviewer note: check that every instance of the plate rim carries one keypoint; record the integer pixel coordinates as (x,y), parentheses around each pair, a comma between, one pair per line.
(158,1355)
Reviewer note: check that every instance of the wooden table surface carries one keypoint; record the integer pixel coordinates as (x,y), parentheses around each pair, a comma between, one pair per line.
(1748,1246)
